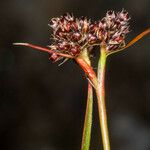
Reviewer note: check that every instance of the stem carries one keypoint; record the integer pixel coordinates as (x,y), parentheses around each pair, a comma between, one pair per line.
(84,63)
(86,137)
(88,71)
(98,84)
(100,92)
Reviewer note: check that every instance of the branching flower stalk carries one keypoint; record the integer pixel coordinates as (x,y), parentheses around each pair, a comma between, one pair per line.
(74,38)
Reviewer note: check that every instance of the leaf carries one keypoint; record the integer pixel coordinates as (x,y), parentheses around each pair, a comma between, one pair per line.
(137,38)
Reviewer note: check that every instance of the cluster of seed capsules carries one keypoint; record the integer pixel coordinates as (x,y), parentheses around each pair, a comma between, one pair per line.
(71,35)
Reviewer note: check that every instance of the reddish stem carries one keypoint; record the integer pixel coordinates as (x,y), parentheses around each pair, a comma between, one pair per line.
(43,49)
(88,70)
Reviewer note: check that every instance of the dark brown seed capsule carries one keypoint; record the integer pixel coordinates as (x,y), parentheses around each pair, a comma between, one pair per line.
(74,26)
(54,57)
(67,27)
(63,46)
(60,33)
(93,27)
(75,50)
(92,38)
(54,23)
(76,36)
(110,12)
(119,39)
(112,47)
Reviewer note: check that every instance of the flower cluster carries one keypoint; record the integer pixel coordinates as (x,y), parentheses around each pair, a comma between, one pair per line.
(71,35)
(111,30)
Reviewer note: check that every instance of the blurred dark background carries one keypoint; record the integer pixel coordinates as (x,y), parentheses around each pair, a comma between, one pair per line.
(42,105)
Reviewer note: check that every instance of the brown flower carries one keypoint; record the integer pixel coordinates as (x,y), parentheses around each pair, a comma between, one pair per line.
(71,35)
(111,30)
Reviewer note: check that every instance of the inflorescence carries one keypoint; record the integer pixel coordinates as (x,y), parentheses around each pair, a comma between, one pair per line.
(71,35)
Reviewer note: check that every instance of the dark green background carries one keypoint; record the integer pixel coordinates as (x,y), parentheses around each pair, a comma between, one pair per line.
(42,105)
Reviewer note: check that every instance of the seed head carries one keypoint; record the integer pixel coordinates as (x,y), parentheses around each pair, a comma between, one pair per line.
(71,35)
(112,29)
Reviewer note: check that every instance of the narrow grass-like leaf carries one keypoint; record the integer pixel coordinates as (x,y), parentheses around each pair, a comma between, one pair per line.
(137,38)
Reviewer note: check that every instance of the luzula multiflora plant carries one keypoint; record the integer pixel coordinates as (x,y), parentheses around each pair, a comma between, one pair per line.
(74,38)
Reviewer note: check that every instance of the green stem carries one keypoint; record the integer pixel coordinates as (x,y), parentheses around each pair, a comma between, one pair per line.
(86,137)
(98,84)
(100,92)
